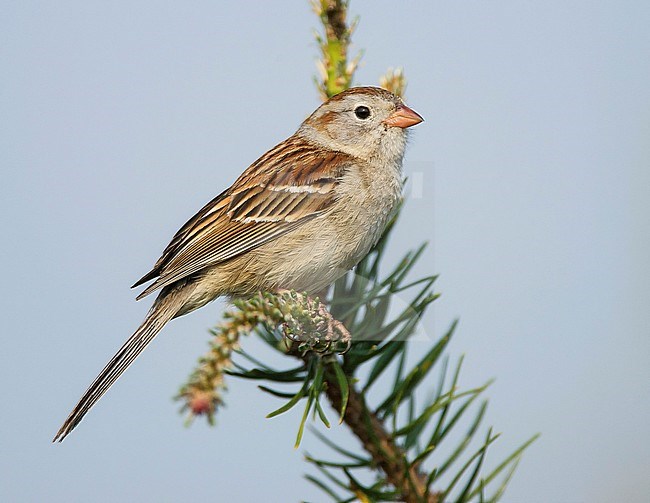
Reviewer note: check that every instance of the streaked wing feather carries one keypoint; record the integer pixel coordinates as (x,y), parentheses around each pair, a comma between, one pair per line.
(289,185)
(184,235)
(213,249)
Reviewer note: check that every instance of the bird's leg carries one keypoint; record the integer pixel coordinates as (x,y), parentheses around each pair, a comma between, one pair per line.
(309,323)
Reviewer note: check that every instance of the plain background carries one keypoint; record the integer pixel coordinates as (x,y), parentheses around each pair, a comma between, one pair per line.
(121,119)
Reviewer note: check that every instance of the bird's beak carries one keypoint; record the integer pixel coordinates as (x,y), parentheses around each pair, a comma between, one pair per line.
(403,117)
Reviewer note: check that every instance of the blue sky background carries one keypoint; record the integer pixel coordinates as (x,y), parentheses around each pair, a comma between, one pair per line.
(120,120)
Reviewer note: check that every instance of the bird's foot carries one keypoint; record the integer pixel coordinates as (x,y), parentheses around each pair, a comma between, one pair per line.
(310,325)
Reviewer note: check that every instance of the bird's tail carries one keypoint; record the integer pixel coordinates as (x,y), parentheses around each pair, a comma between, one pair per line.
(166,306)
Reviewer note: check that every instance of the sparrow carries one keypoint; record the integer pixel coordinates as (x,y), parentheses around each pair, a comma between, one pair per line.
(298,218)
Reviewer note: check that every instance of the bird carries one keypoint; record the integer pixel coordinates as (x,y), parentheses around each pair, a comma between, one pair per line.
(298,218)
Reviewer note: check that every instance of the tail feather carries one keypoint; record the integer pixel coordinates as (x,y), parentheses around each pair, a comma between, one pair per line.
(164,309)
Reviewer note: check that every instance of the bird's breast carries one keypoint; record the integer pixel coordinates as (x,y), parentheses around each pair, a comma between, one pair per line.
(317,253)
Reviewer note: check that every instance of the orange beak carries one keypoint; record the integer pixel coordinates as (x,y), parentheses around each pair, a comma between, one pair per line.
(403,117)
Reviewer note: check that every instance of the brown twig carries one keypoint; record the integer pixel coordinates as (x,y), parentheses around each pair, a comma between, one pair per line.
(386,454)
(371,431)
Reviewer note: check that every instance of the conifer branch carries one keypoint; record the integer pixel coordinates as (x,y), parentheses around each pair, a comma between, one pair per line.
(409,480)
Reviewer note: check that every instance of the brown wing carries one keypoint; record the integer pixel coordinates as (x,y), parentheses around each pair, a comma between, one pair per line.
(291,184)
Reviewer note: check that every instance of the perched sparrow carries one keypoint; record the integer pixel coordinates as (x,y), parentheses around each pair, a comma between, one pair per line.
(298,218)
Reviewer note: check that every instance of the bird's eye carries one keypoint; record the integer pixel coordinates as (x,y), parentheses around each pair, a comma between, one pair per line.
(362,112)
